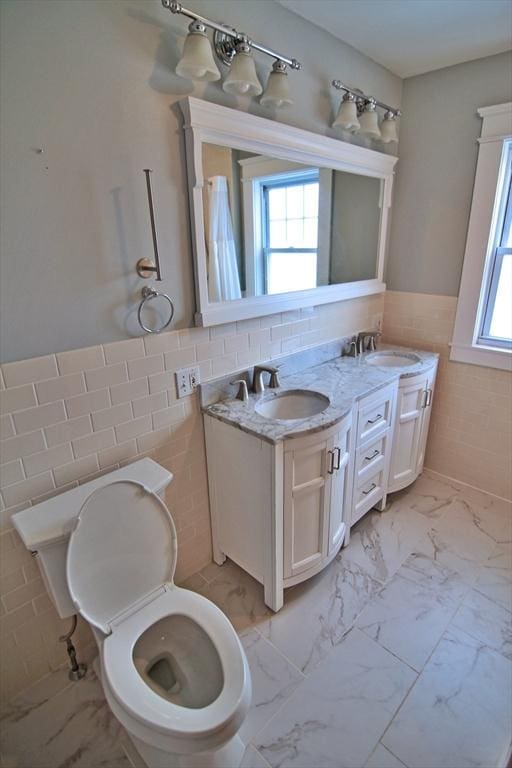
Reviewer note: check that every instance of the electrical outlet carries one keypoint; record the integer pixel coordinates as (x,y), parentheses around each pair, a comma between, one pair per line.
(187,380)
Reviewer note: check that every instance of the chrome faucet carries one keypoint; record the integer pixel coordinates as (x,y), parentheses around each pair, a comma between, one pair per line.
(242,393)
(257,382)
(366,341)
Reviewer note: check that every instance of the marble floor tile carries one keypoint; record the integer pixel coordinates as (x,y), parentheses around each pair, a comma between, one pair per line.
(459,712)
(317,613)
(382,541)
(238,595)
(495,576)
(273,681)
(73,727)
(412,611)
(253,759)
(336,717)
(428,495)
(382,758)
(486,621)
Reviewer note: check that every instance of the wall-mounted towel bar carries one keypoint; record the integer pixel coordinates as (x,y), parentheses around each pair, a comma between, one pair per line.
(145,267)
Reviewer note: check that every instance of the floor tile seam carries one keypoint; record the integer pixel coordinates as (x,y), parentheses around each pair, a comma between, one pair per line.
(278,650)
(379,743)
(251,745)
(24,691)
(393,653)
(482,642)
(460,600)
(492,600)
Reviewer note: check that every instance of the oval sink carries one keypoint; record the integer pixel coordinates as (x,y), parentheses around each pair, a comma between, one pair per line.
(392,359)
(293,404)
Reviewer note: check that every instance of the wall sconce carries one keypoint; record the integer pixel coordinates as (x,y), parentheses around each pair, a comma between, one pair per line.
(234,50)
(358,113)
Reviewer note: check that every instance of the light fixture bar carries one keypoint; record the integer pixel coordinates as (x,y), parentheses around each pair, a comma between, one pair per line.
(363,97)
(175,7)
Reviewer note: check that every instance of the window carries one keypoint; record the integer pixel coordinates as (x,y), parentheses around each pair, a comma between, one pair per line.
(290,233)
(496,313)
(483,323)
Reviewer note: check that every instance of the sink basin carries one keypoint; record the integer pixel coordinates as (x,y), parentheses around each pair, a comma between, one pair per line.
(293,404)
(392,359)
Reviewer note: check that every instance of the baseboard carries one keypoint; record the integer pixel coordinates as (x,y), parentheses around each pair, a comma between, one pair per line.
(466,485)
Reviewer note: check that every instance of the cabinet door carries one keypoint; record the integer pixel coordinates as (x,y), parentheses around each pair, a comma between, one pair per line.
(407,433)
(340,490)
(425,422)
(307,489)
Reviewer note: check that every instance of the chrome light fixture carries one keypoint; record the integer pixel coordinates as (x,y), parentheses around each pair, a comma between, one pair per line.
(234,50)
(197,62)
(369,120)
(277,91)
(358,114)
(347,114)
(242,77)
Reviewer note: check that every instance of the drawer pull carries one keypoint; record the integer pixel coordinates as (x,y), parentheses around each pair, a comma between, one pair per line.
(338,458)
(374,454)
(370,489)
(429,398)
(377,418)
(331,462)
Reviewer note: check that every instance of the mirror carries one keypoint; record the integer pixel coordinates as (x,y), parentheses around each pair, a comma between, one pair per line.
(273,226)
(282,218)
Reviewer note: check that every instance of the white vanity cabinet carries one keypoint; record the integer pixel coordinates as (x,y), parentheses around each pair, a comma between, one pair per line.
(411,426)
(373,445)
(278,510)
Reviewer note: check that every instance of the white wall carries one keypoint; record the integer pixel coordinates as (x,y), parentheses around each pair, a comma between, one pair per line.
(93,84)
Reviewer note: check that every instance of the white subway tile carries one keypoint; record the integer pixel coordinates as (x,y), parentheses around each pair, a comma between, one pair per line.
(160,381)
(168,416)
(210,349)
(27,489)
(21,445)
(118,453)
(77,360)
(192,336)
(145,366)
(37,463)
(6,427)
(238,343)
(107,376)
(224,364)
(205,372)
(180,358)
(154,440)
(149,404)
(88,403)
(270,320)
(17,398)
(111,416)
(157,343)
(69,430)
(290,345)
(133,428)
(130,390)
(220,331)
(251,324)
(257,338)
(29,371)
(118,351)
(75,470)
(98,441)
(40,416)
(59,388)
(12,472)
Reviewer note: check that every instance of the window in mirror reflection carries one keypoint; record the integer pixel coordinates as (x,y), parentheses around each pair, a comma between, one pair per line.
(290,211)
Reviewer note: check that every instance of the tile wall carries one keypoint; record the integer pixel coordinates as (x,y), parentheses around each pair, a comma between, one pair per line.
(67,418)
(471,428)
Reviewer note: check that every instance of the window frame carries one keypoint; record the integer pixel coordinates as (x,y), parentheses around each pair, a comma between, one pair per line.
(309,176)
(469,345)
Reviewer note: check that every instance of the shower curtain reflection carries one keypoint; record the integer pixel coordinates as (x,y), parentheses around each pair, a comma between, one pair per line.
(223,277)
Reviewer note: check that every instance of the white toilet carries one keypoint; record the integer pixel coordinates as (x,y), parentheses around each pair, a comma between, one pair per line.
(173,670)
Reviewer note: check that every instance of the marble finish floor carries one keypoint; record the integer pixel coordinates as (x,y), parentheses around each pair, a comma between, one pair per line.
(398,654)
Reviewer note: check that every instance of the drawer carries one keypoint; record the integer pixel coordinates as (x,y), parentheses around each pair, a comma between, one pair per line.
(371,458)
(367,494)
(374,414)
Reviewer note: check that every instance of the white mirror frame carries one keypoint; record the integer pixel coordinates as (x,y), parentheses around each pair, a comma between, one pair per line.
(209,123)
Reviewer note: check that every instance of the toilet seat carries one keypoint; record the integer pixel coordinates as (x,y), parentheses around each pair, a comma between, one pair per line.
(147,706)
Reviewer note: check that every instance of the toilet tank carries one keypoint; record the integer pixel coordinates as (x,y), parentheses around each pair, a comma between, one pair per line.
(45,528)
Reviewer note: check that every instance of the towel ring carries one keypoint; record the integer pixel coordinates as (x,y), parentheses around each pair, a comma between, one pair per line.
(147,295)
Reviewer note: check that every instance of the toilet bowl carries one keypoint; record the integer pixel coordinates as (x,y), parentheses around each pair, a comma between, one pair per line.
(172,667)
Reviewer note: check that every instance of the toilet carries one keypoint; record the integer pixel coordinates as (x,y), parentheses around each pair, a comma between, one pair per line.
(172,667)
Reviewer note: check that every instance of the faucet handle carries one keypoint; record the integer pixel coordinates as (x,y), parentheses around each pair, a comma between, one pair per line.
(242,393)
(274,382)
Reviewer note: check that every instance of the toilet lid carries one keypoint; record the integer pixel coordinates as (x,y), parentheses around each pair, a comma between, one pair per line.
(122,549)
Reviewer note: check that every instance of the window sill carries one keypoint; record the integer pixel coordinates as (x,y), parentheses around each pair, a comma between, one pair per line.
(490,357)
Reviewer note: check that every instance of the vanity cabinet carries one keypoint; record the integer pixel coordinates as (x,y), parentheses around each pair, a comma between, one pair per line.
(373,445)
(278,510)
(415,395)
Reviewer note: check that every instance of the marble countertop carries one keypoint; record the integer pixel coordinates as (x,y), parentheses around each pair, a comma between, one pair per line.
(343,380)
